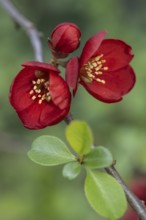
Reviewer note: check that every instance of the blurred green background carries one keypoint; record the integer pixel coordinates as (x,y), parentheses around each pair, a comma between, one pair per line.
(29,191)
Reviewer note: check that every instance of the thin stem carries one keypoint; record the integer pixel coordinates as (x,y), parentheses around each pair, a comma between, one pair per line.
(28,26)
(68,119)
(134,202)
(34,37)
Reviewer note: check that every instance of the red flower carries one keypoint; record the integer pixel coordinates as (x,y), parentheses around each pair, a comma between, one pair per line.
(103,69)
(65,39)
(39,95)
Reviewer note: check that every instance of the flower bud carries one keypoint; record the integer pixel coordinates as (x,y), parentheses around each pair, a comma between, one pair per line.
(65,39)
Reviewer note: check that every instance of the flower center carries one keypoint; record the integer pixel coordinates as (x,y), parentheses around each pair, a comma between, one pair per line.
(92,69)
(40,89)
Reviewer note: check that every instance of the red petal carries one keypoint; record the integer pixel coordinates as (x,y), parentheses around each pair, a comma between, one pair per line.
(56,35)
(41,66)
(39,116)
(101,93)
(91,47)
(72,38)
(116,53)
(20,88)
(63,27)
(35,115)
(32,114)
(51,114)
(117,84)
(59,91)
(65,37)
(72,73)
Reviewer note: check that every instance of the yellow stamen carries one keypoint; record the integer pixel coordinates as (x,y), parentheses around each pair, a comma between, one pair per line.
(90,70)
(40,89)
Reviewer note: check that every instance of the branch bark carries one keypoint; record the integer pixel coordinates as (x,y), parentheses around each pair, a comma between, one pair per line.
(134,202)
(132,199)
(27,25)
(34,36)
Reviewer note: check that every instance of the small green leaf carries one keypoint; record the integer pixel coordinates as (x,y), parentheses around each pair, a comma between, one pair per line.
(79,136)
(72,170)
(105,195)
(49,151)
(98,157)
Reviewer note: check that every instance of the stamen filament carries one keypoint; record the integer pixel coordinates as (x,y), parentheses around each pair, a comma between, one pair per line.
(90,70)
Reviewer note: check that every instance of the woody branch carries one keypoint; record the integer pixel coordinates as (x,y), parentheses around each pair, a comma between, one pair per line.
(34,36)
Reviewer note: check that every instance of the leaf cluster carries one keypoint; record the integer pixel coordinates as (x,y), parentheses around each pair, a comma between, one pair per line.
(102,191)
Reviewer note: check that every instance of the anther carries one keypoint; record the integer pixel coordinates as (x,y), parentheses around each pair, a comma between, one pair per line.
(43,97)
(48,98)
(38,91)
(98,57)
(99,72)
(100,80)
(40,101)
(38,81)
(33,97)
(31,92)
(94,64)
(91,75)
(105,68)
(99,67)
(35,87)
(91,66)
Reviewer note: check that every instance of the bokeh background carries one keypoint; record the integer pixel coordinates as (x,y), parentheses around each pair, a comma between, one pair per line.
(29,191)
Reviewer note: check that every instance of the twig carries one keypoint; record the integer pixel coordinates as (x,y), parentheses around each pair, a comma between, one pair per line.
(34,37)
(134,202)
(68,119)
(28,26)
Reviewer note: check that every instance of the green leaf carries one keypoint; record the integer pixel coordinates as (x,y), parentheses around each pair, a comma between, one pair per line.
(79,136)
(105,194)
(72,170)
(49,151)
(98,157)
